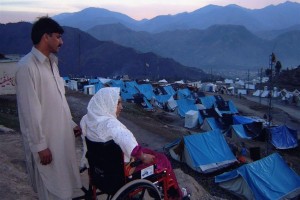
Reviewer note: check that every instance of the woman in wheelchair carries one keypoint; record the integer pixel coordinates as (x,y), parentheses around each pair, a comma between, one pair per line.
(100,124)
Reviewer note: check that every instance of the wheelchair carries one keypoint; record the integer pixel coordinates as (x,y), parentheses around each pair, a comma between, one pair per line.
(108,175)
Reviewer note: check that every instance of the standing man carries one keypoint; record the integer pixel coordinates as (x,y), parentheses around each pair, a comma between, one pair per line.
(45,118)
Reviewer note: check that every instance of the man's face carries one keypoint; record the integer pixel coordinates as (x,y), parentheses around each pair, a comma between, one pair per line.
(54,42)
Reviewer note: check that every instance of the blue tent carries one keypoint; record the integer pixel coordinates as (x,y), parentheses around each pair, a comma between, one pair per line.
(237,119)
(147,105)
(129,91)
(283,137)
(146,90)
(93,81)
(210,123)
(98,86)
(162,99)
(232,109)
(66,78)
(183,93)
(239,132)
(208,101)
(185,105)
(131,87)
(205,152)
(169,90)
(117,83)
(268,178)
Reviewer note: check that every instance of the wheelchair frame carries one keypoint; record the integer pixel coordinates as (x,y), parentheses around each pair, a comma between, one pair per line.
(132,186)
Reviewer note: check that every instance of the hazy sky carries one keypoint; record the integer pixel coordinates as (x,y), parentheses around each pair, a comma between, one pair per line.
(28,10)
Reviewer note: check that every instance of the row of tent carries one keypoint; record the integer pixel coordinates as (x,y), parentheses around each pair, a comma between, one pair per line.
(267,178)
(243,128)
(284,95)
(208,112)
(209,151)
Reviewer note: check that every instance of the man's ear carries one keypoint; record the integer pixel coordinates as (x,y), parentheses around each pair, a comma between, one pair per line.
(45,37)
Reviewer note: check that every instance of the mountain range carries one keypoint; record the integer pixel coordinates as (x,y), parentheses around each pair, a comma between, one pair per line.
(212,37)
(83,55)
(272,17)
(229,38)
(219,46)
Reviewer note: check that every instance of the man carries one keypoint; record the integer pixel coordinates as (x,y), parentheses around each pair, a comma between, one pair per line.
(45,119)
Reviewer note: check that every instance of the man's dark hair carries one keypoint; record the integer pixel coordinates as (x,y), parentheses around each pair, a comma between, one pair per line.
(44,25)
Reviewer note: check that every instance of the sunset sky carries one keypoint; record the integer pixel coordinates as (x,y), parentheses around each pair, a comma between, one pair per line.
(29,10)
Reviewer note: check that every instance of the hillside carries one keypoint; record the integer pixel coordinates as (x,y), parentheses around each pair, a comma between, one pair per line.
(218,47)
(83,55)
(289,79)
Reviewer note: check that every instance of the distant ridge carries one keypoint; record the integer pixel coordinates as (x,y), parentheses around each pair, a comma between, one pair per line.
(272,17)
(217,47)
(83,55)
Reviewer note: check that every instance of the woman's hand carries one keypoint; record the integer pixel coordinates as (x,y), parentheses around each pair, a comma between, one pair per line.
(147,158)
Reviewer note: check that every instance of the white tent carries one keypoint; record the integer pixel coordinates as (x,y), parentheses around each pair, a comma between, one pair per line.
(191,119)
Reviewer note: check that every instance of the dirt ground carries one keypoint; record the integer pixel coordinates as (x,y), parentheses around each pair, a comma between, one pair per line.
(152,129)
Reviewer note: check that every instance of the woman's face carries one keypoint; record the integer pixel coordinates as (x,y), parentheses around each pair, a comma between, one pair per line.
(119,107)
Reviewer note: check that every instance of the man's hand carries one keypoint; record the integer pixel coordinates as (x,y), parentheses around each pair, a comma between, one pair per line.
(45,156)
(77,131)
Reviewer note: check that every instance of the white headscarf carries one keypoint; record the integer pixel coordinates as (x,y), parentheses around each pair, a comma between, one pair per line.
(100,124)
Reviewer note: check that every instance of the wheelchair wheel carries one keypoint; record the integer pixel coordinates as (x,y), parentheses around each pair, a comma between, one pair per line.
(138,189)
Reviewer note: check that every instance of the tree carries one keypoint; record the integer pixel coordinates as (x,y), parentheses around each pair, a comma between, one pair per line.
(268,72)
(278,67)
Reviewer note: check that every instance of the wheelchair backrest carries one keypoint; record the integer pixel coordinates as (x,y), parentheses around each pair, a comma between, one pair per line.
(106,165)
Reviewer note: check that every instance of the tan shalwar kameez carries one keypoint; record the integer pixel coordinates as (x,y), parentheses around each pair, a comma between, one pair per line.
(46,122)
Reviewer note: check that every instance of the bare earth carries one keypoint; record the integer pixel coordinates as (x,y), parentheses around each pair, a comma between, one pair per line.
(153,130)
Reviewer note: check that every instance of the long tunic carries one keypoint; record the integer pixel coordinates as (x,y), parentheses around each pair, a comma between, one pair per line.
(46,122)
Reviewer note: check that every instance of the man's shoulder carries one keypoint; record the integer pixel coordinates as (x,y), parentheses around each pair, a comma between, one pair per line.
(25,60)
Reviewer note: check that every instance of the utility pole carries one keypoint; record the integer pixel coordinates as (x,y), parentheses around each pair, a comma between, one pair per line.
(261,86)
(79,54)
(248,82)
(272,60)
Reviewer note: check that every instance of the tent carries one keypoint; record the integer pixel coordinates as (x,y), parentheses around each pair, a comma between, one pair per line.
(191,119)
(208,101)
(239,119)
(238,132)
(267,178)
(210,123)
(283,137)
(169,90)
(117,83)
(89,89)
(129,91)
(229,109)
(185,105)
(184,93)
(171,104)
(146,90)
(204,152)
(162,100)
(141,100)
(245,131)
(257,93)
(265,93)
(98,86)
